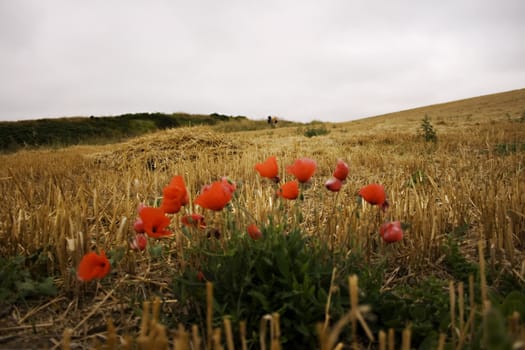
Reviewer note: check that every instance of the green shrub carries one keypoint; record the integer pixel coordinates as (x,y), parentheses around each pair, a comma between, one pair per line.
(427,130)
(316,131)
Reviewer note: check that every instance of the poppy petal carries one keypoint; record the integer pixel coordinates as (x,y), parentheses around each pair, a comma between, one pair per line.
(215,196)
(374,194)
(155,222)
(268,168)
(93,266)
(175,195)
(229,184)
(289,190)
(333,184)
(193,220)
(303,169)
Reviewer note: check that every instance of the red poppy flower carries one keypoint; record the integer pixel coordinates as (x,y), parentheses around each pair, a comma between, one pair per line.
(334,184)
(391,231)
(139,242)
(193,220)
(302,169)
(341,170)
(375,195)
(214,196)
(289,190)
(254,232)
(269,169)
(175,195)
(155,222)
(93,266)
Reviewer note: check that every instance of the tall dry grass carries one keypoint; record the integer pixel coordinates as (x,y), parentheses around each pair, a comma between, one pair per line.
(51,197)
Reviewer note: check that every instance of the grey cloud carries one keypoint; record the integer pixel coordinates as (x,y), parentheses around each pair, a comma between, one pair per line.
(304,60)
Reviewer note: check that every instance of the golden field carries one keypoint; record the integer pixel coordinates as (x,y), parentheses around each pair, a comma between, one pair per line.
(59,204)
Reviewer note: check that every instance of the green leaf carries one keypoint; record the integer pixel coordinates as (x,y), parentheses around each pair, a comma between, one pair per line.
(25,288)
(260,298)
(283,264)
(47,287)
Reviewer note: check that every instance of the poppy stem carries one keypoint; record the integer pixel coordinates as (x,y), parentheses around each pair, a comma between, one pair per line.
(332,227)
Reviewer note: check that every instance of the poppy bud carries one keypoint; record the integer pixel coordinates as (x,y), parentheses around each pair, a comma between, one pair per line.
(254,232)
(333,184)
(391,231)
(138,226)
(139,242)
(341,170)
(200,276)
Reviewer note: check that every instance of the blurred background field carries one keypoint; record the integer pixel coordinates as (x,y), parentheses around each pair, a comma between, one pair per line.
(453,173)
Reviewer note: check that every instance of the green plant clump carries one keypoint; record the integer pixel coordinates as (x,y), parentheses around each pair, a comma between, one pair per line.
(425,307)
(282,272)
(455,262)
(61,132)
(316,131)
(289,273)
(427,130)
(21,279)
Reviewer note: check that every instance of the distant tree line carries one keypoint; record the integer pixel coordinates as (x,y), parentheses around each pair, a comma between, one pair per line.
(61,132)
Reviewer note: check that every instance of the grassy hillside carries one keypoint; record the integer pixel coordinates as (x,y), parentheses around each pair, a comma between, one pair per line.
(455,280)
(461,113)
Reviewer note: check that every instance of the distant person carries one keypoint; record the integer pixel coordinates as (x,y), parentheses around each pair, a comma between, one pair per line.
(272,120)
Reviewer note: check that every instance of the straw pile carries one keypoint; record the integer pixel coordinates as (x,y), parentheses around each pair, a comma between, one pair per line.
(171,146)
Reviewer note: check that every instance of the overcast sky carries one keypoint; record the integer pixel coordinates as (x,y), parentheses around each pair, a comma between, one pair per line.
(330,60)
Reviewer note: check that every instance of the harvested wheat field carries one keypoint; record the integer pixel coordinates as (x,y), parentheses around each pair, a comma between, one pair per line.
(441,266)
